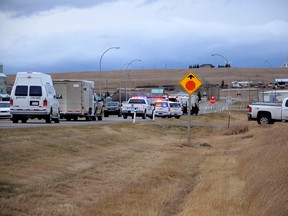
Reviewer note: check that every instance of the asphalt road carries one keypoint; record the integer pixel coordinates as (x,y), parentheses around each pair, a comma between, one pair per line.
(31,123)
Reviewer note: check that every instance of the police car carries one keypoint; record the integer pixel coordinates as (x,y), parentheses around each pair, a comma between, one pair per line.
(175,109)
(162,109)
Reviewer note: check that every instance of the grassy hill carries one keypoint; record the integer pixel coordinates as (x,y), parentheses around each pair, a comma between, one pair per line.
(113,79)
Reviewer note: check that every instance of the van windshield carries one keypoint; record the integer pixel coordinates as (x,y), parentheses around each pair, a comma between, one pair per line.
(21,91)
(35,91)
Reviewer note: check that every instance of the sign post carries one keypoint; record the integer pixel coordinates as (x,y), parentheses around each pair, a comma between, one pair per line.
(190,83)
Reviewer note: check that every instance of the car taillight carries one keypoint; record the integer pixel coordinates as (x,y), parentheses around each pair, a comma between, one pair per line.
(11,102)
(45,102)
(249,109)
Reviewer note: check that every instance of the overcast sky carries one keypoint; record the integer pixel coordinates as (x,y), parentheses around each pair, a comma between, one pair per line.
(71,35)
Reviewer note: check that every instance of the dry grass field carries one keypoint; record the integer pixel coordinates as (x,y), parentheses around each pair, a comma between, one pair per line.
(111,80)
(146,169)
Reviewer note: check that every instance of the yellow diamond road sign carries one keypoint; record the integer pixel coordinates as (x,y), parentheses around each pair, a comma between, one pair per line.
(190,83)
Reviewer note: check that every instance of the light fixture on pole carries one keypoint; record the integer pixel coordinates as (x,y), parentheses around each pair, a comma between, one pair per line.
(131,63)
(100,77)
(229,100)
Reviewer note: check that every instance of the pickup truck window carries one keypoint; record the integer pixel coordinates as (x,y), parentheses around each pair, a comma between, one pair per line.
(137,101)
(286,104)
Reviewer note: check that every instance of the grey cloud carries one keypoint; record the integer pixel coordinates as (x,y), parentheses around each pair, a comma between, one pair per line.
(30,7)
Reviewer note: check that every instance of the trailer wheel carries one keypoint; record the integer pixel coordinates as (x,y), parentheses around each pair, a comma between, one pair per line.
(264,119)
(14,120)
(57,119)
(88,118)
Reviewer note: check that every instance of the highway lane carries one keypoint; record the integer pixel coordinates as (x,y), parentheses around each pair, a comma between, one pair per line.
(32,123)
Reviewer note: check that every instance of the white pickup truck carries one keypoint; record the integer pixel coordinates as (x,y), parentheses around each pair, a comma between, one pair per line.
(268,113)
(138,105)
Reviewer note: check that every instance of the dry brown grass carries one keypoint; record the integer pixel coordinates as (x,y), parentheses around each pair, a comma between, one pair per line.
(264,167)
(139,169)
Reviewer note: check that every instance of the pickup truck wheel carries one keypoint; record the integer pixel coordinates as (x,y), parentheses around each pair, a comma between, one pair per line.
(124,116)
(263,120)
(144,115)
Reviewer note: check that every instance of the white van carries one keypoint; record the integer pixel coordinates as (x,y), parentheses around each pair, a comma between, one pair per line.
(33,96)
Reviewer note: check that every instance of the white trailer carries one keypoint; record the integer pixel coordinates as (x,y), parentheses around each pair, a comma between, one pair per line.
(77,100)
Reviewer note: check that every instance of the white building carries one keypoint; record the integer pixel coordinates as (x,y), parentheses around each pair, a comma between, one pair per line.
(273,95)
(3,84)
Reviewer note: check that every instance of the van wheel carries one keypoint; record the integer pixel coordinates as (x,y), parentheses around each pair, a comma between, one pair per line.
(49,118)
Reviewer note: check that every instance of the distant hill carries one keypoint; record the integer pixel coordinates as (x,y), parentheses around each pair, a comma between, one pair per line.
(161,77)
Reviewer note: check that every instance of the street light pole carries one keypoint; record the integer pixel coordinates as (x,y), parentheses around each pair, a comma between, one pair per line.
(273,80)
(128,64)
(229,100)
(100,77)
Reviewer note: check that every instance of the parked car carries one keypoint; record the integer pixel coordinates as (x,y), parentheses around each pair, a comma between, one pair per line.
(112,108)
(5,109)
